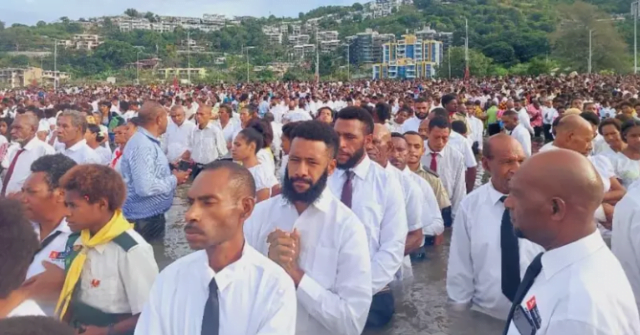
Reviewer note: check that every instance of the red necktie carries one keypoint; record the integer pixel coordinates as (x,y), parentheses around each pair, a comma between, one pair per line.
(116,159)
(10,172)
(434,162)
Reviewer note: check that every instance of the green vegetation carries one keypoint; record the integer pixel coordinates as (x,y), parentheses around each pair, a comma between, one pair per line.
(505,37)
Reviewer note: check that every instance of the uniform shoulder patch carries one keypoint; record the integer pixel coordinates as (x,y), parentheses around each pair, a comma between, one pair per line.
(125,241)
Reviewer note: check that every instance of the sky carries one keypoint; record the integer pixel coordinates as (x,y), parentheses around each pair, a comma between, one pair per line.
(31,11)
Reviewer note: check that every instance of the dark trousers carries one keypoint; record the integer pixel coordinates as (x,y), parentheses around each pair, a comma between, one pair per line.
(493,129)
(150,228)
(382,309)
(447,216)
(547,133)
(537,131)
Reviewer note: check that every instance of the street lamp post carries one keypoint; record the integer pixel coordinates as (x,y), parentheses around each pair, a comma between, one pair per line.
(348,62)
(590,52)
(138,67)
(466,46)
(634,10)
(248,65)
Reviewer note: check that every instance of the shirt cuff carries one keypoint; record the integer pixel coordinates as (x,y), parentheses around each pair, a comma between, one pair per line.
(309,291)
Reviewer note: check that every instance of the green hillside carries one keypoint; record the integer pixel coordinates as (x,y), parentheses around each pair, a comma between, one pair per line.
(506,36)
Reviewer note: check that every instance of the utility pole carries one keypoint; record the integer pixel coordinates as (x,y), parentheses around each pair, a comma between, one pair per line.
(317,57)
(634,9)
(466,46)
(590,52)
(189,56)
(449,53)
(348,62)
(242,48)
(138,67)
(55,66)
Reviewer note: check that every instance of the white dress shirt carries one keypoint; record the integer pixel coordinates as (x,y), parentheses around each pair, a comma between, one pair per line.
(474,274)
(477,131)
(524,137)
(461,144)
(334,295)
(411,124)
(255,296)
(81,153)
(451,169)
(229,132)
(599,144)
(378,202)
(413,205)
(582,289)
(207,144)
(283,168)
(626,169)
(265,157)
(625,237)
(176,139)
(295,116)
(523,117)
(26,308)
(548,115)
(104,154)
(32,151)
(433,224)
(262,178)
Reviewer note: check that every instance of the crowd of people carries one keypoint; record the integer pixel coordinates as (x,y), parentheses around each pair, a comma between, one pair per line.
(309,202)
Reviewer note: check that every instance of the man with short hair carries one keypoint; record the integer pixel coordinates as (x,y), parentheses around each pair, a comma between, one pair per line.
(145,169)
(422,107)
(176,139)
(27,149)
(486,259)
(577,285)
(19,244)
(375,196)
(206,143)
(238,290)
(71,129)
(319,242)
(517,131)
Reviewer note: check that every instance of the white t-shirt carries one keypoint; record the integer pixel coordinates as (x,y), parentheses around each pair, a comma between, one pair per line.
(627,169)
(262,177)
(265,157)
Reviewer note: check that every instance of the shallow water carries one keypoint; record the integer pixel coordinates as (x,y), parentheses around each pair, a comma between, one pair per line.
(421,306)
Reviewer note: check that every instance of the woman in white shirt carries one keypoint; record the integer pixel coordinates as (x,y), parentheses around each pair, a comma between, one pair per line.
(627,162)
(245,149)
(94,138)
(610,130)
(265,155)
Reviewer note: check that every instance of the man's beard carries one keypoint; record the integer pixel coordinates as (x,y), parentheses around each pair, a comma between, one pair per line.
(351,162)
(310,195)
(422,116)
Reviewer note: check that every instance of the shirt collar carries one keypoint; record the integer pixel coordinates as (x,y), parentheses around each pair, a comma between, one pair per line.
(31,144)
(227,275)
(77,146)
(494,195)
(323,203)
(148,134)
(555,260)
(428,151)
(362,169)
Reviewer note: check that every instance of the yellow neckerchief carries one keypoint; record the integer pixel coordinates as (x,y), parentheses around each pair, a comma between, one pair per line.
(116,226)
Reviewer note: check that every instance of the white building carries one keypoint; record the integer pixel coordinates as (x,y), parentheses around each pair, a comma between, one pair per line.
(329,46)
(305,50)
(298,39)
(330,35)
(274,38)
(81,42)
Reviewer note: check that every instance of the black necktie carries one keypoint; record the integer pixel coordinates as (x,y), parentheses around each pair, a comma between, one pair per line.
(347,189)
(211,317)
(510,253)
(529,277)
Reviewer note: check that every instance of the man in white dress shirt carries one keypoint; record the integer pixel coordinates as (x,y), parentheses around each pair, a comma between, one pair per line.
(422,107)
(577,286)
(486,260)
(176,139)
(446,161)
(43,200)
(379,151)
(26,149)
(226,287)
(19,244)
(376,198)
(517,131)
(71,128)
(319,242)
(626,235)
(206,143)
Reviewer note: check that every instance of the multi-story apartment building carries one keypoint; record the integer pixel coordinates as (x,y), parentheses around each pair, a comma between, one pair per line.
(305,50)
(366,47)
(329,46)
(23,77)
(409,58)
(81,42)
(275,38)
(298,39)
(329,35)
(427,33)
(181,73)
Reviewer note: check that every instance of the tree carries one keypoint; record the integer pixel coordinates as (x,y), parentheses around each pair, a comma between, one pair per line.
(131,12)
(357,6)
(500,52)
(571,40)
(116,54)
(479,64)
(1,25)
(64,20)
(41,24)
(150,16)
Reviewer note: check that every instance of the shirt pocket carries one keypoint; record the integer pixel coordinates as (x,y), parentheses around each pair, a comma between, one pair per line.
(325,266)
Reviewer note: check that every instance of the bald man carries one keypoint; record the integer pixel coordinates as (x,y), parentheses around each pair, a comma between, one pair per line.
(145,169)
(576,286)
(27,148)
(486,259)
(379,151)
(576,134)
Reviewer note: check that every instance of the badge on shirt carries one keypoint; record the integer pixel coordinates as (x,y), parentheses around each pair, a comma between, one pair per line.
(95,283)
(523,322)
(56,255)
(533,311)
